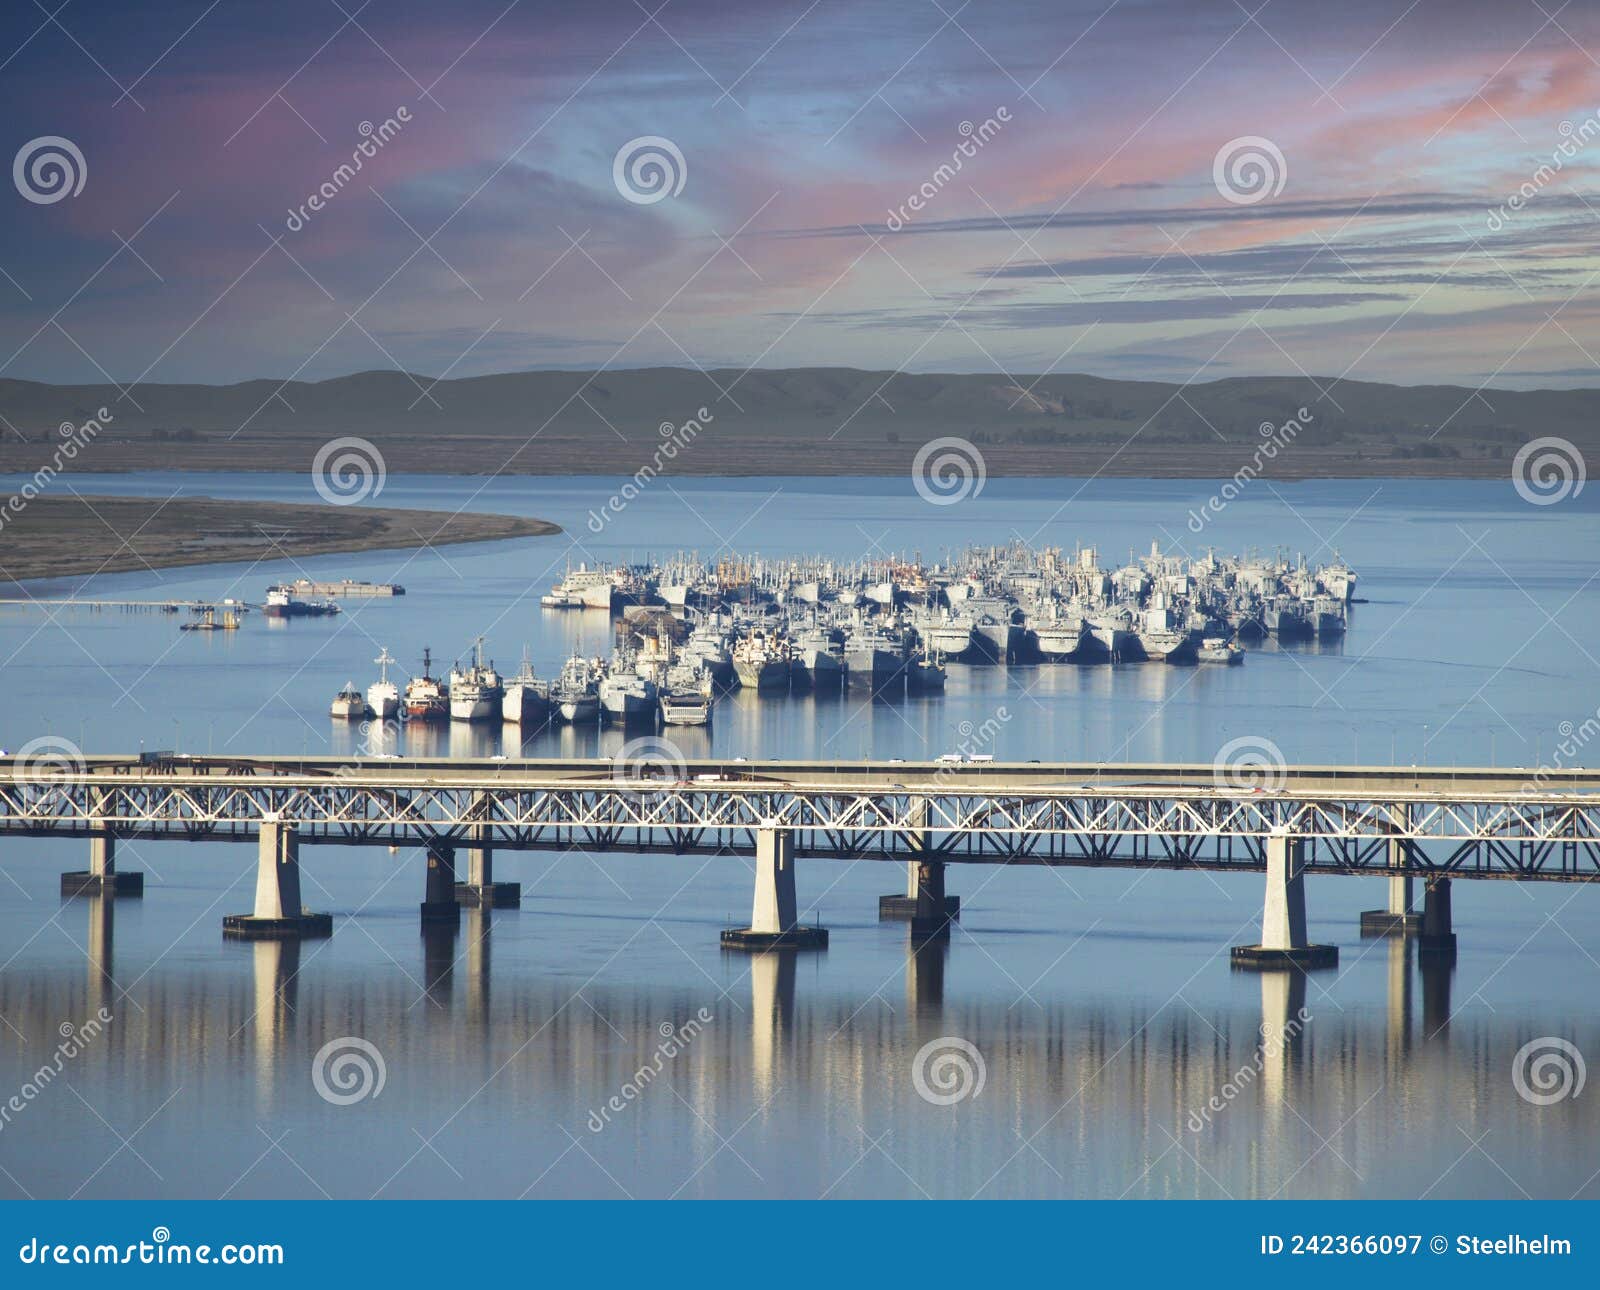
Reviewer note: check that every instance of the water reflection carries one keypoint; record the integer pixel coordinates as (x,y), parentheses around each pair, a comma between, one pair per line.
(1105,1091)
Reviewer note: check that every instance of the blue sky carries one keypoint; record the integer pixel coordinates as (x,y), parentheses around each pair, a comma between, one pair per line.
(1093,223)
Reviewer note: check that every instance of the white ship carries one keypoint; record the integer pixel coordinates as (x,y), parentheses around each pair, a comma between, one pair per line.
(628,697)
(575,697)
(383,695)
(425,697)
(475,694)
(527,698)
(582,588)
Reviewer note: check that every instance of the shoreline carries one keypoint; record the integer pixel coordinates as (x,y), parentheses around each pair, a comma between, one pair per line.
(92,534)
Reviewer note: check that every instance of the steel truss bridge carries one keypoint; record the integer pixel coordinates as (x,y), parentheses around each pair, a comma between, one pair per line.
(1388,821)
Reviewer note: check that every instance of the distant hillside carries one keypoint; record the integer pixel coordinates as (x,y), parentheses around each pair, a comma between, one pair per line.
(802,421)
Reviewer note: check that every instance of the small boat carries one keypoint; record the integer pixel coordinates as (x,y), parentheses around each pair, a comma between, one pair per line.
(1215,649)
(348,705)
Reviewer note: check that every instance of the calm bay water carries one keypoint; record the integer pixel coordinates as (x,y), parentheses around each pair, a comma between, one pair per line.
(1101,1003)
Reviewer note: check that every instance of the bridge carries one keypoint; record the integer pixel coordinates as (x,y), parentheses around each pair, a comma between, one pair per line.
(1399,823)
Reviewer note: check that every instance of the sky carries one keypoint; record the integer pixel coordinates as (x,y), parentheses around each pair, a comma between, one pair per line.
(1180,190)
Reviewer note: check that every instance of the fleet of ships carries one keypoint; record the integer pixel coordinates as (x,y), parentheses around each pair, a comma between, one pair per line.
(693,629)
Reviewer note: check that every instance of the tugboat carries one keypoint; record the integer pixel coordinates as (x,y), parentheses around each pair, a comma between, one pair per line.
(348,705)
(383,695)
(425,697)
(476,694)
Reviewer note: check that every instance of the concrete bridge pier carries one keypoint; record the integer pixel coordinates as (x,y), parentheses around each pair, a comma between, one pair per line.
(1438,935)
(278,911)
(773,918)
(1397,917)
(439,892)
(102,877)
(480,888)
(896,906)
(1283,915)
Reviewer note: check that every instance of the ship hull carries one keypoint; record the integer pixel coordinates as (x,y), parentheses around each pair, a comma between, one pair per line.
(873,669)
(766,676)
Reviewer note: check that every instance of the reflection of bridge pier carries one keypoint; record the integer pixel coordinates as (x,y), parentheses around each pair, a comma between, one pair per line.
(1399,996)
(439,962)
(771,1014)
(1436,971)
(925,960)
(102,923)
(477,932)
(102,876)
(275,977)
(1283,1022)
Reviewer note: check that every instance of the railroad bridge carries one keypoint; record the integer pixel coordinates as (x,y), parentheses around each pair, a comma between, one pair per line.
(1403,824)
